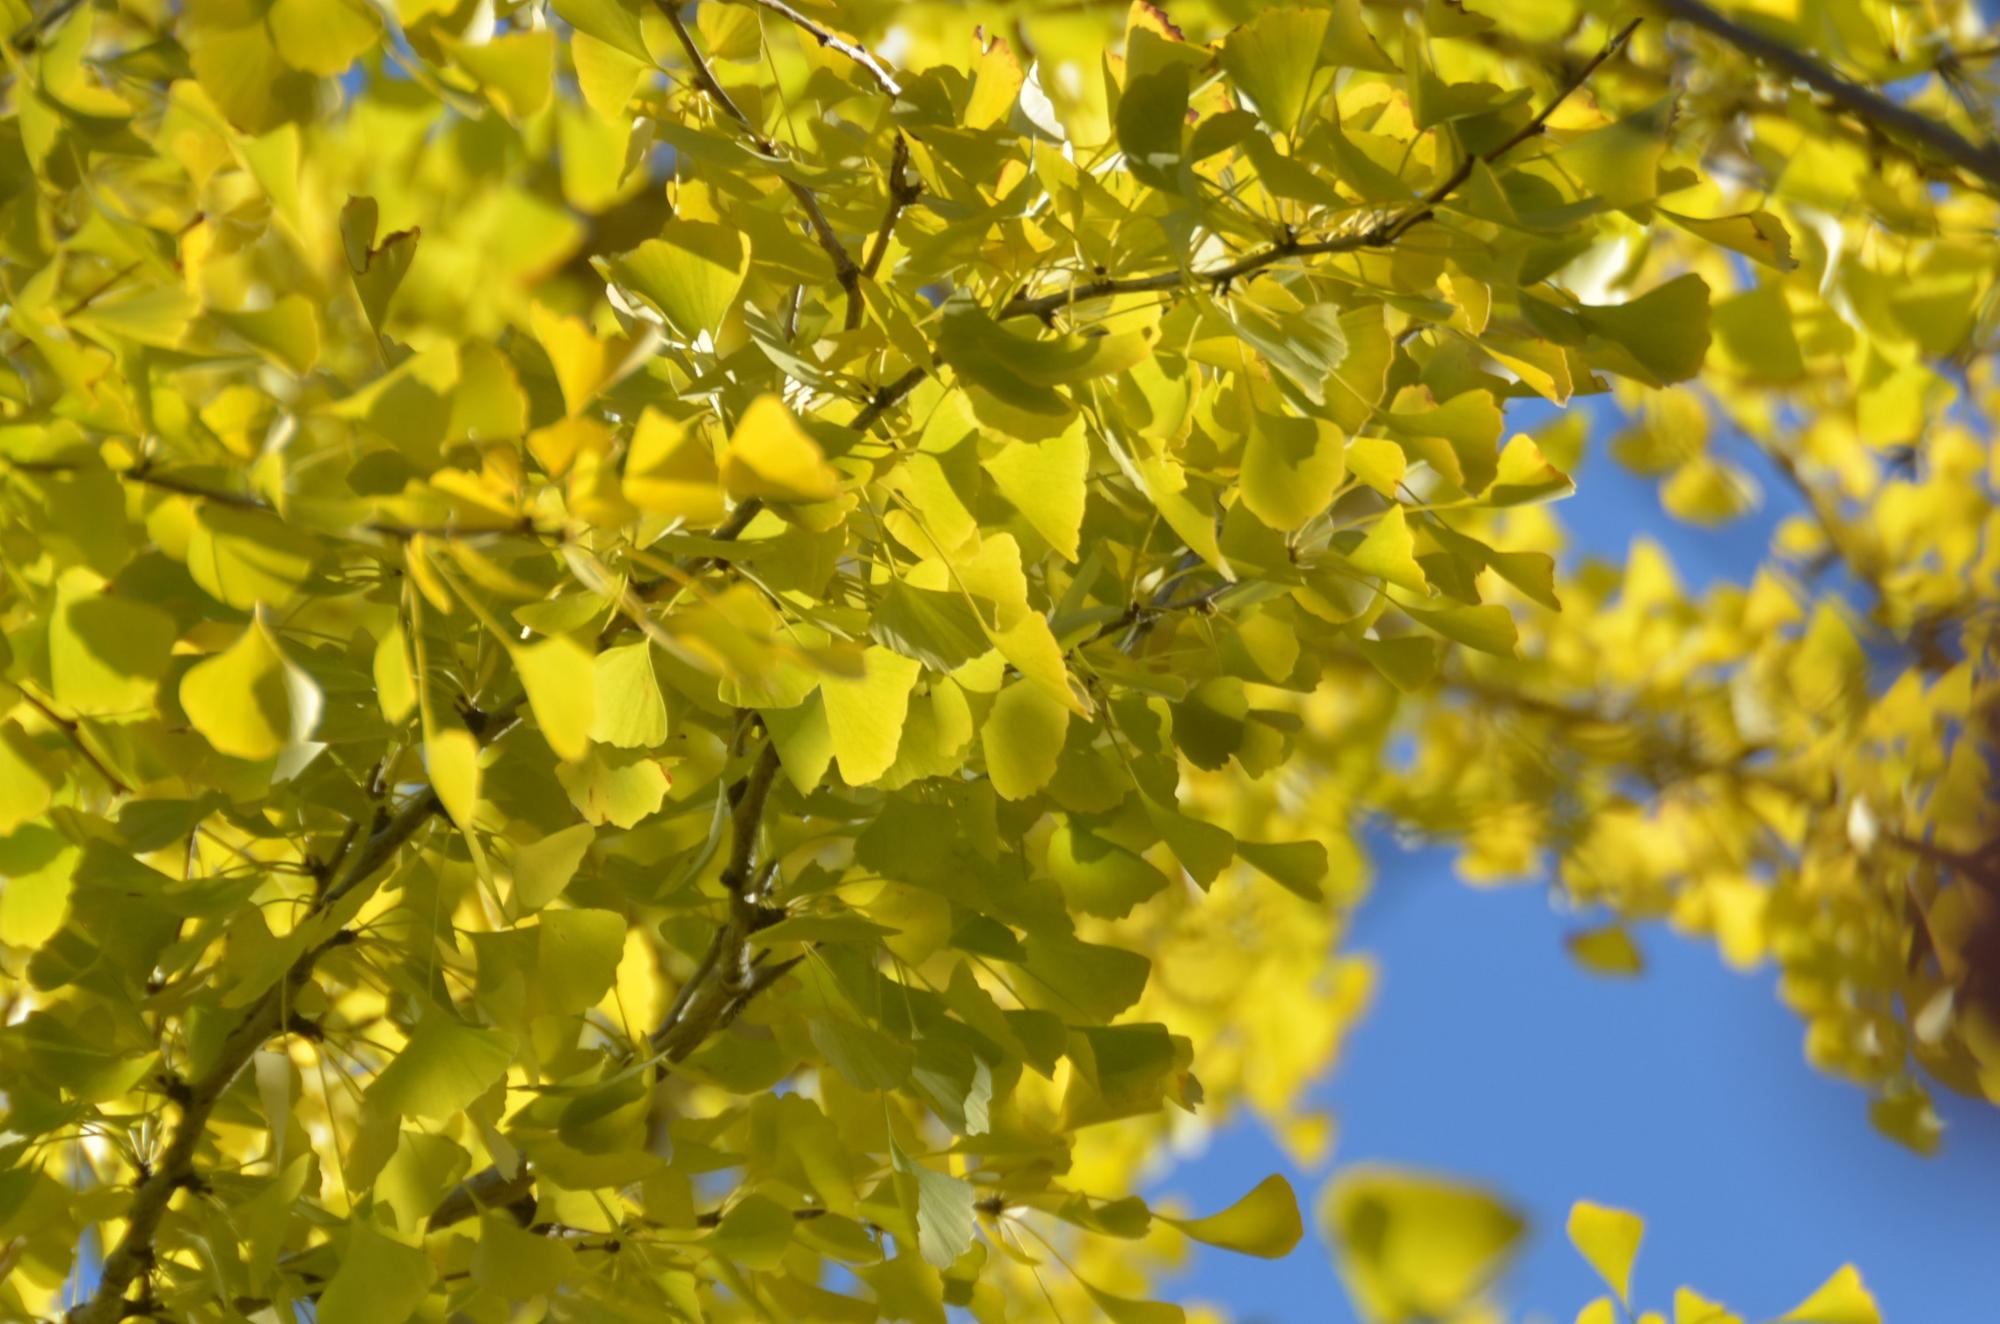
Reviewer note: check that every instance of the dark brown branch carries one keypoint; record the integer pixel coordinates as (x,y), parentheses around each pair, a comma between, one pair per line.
(724,981)
(1381,234)
(72,731)
(30,35)
(844,269)
(1892,117)
(128,1260)
(833,41)
(144,474)
(902,192)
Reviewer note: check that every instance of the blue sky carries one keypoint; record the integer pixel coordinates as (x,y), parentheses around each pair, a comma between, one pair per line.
(1683,1094)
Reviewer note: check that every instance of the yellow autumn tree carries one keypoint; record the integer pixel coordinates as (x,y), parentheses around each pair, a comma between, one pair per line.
(699,662)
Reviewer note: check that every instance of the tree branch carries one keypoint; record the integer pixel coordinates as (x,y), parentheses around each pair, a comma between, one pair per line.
(30,35)
(902,192)
(1981,161)
(722,985)
(833,41)
(72,730)
(1379,235)
(844,269)
(133,1254)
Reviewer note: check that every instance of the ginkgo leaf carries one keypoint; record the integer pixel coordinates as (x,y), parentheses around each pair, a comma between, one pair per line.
(1291,467)
(451,756)
(1378,463)
(939,627)
(1691,1307)
(670,471)
(1609,1239)
(865,714)
(239,699)
(621,787)
(1264,1223)
(1389,552)
(543,868)
(1606,950)
(577,958)
(630,710)
(378,1279)
(1413,1246)
(445,1066)
(691,272)
(1045,482)
(1297,866)
(1275,61)
(321,37)
(943,1209)
(28,777)
(1022,738)
(770,458)
(1841,1299)
(560,678)
(106,653)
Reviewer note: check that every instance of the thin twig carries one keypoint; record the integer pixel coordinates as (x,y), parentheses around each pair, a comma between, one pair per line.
(833,41)
(30,35)
(902,192)
(722,985)
(844,268)
(144,475)
(128,1261)
(1384,232)
(73,732)
(1982,161)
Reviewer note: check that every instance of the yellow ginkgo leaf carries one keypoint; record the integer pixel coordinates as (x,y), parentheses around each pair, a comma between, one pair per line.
(770,458)
(865,713)
(239,699)
(1023,739)
(1609,1239)
(561,680)
(1390,553)
(1841,1299)
(1413,1246)
(670,471)
(452,757)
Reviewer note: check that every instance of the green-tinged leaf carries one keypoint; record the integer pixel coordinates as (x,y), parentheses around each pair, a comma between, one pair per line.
(943,1209)
(445,1066)
(1297,866)
(1413,1246)
(542,869)
(865,713)
(938,627)
(630,710)
(239,699)
(378,1280)
(1264,1223)
(560,678)
(578,956)
(1023,739)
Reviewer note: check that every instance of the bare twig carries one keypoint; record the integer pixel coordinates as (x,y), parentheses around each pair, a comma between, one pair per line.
(1379,235)
(903,191)
(31,33)
(844,268)
(724,981)
(129,1259)
(73,732)
(833,41)
(144,474)
(1894,118)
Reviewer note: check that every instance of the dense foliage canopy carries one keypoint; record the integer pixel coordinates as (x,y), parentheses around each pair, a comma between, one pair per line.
(714,662)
